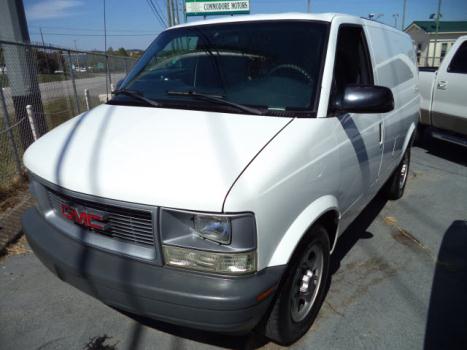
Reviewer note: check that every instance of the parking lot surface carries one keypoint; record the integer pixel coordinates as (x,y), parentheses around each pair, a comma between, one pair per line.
(399,282)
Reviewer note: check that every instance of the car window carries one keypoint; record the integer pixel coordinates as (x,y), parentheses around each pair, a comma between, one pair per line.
(459,61)
(352,64)
(267,64)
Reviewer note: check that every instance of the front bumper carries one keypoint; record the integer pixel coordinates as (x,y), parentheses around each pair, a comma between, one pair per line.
(207,302)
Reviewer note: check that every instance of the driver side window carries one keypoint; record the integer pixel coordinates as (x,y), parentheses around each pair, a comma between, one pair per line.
(352,63)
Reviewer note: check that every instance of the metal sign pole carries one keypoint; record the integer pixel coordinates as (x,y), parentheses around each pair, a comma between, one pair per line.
(438,15)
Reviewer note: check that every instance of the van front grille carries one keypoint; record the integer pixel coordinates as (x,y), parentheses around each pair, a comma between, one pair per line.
(129,225)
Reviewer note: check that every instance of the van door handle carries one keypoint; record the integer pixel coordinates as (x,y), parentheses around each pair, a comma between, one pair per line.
(381,134)
(442,85)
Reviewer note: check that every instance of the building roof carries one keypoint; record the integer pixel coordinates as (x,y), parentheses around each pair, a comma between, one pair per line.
(444,26)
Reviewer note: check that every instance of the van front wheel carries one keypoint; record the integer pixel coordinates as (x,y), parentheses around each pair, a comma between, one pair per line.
(303,290)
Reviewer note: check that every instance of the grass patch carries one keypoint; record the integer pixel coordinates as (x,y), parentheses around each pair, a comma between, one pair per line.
(10,188)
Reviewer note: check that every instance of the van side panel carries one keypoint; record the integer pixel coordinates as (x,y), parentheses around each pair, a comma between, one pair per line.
(395,67)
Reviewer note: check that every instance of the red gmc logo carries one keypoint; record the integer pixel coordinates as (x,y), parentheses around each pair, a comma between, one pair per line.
(84,218)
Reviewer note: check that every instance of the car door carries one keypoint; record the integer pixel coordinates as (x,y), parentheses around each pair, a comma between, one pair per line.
(361,135)
(449,108)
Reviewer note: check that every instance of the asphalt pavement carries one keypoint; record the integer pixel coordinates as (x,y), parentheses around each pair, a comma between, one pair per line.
(399,282)
(61,88)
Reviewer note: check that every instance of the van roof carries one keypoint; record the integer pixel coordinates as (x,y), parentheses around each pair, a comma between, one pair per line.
(325,17)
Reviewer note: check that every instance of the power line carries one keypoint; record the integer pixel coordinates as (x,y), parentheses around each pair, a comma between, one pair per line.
(156,13)
(159,11)
(107,77)
(86,34)
(92,29)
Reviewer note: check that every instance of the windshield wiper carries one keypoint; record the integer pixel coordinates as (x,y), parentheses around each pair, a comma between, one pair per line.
(216,99)
(137,95)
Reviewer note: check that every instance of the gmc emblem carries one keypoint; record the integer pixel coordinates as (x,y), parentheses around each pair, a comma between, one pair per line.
(84,217)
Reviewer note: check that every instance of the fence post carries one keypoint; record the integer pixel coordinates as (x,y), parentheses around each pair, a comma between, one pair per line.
(108,79)
(11,139)
(86,98)
(30,113)
(126,66)
(73,82)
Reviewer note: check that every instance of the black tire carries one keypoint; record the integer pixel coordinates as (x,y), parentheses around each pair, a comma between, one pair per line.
(285,324)
(395,186)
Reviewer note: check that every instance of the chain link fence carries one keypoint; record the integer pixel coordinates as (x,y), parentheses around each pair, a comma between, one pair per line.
(42,86)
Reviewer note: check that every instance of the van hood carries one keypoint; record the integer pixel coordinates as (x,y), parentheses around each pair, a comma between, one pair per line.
(164,157)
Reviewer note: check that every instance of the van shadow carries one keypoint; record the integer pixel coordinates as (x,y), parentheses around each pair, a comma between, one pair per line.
(179,333)
(357,230)
(446,326)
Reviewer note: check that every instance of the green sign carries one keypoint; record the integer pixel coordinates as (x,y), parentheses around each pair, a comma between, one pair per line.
(216,7)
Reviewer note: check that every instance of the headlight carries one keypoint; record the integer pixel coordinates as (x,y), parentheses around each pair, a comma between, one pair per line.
(217,229)
(234,264)
(224,243)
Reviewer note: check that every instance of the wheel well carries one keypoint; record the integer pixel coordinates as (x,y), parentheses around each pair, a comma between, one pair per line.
(330,221)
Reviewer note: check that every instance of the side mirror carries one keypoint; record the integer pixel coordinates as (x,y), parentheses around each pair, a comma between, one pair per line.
(365,99)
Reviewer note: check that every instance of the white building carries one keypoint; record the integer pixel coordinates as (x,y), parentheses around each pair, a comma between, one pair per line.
(424,36)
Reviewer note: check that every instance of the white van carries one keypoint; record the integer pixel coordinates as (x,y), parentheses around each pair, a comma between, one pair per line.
(210,191)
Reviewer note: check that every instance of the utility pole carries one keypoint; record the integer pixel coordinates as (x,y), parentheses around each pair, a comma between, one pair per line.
(438,15)
(396,16)
(77,54)
(169,13)
(107,71)
(22,72)
(177,19)
(308,7)
(404,10)
(42,37)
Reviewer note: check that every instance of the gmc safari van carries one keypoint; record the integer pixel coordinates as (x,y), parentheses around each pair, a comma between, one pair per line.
(211,190)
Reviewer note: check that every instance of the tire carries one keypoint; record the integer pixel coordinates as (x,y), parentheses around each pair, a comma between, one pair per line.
(395,186)
(287,321)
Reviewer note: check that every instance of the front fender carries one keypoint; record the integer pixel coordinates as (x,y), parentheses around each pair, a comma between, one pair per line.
(408,137)
(300,226)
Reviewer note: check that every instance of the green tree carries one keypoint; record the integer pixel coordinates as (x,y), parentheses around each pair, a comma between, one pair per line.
(47,63)
(121,52)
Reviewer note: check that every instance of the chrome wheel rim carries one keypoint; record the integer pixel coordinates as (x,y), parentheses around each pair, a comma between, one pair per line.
(306,282)
(404,171)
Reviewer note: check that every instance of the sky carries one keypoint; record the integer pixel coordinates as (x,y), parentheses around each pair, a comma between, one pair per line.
(132,24)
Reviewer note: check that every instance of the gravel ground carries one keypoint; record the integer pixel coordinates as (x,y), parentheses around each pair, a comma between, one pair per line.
(399,282)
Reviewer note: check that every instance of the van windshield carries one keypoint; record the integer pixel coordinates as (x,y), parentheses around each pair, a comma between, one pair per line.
(267,65)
